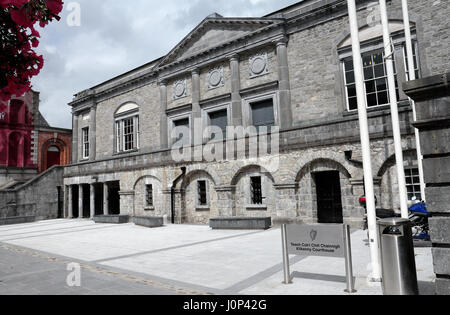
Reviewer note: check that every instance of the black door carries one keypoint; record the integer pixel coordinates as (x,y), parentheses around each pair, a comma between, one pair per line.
(329,198)
(114,198)
(60,203)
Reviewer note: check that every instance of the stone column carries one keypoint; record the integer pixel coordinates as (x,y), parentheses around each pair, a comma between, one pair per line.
(70,202)
(287,203)
(196,123)
(93,133)
(127,203)
(196,93)
(92,200)
(180,207)
(432,97)
(236,100)
(285,114)
(167,204)
(163,118)
(225,201)
(75,118)
(105,199)
(80,201)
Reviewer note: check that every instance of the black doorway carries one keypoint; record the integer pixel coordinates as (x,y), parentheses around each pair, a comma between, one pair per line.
(86,201)
(98,191)
(75,199)
(60,203)
(329,198)
(114,198)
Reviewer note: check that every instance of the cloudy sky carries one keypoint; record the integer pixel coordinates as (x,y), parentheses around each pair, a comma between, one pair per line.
(117,36)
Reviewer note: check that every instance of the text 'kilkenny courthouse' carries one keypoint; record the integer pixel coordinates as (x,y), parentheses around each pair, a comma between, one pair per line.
(291,69)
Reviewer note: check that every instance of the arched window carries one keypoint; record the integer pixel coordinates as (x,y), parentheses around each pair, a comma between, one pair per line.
(127,128)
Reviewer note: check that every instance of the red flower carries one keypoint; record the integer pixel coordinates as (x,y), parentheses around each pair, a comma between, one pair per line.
(18,62)
(55,6)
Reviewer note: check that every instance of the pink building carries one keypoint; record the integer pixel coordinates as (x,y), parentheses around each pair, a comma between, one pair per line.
(21,124)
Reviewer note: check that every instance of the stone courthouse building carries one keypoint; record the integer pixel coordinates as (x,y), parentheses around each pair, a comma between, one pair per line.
(291,69)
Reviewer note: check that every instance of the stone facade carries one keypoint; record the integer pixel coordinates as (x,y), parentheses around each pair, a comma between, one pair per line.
(292,58)
(433,120)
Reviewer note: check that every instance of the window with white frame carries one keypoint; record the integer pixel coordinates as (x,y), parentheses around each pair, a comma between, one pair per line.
(85,142)
(416,62)
(127,128)
(413,184)
(375,80)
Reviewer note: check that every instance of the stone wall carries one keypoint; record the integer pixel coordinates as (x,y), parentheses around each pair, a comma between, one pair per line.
(317,83)
(38,197)
(289,189)
(432,96)
(148,100)
(7,204)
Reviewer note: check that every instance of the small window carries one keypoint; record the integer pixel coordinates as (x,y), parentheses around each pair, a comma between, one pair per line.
(219,119)
(202,193)
(262,113)
(256,190)
(149,195)
(413,184)
(182,131)
(85,138)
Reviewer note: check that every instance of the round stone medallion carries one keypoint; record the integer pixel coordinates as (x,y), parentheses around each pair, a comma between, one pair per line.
(179,89)
(258,65)
(215,78)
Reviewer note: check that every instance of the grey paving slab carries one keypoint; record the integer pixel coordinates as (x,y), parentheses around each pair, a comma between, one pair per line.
(30,275)
(178,259)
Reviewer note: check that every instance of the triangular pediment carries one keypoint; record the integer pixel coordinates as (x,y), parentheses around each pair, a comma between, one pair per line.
(215,32)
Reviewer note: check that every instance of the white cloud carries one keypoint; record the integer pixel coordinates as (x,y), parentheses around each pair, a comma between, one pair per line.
(117,36)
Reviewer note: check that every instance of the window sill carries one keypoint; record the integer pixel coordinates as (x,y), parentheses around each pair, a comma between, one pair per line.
(256,207)
(378,109)
(126,152)
(202,208)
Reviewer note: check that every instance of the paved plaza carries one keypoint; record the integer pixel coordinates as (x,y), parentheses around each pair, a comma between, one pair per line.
(175,259)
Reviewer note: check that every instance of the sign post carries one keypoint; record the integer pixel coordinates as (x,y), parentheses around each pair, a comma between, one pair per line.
(348,260)
(324,240)
(286,266)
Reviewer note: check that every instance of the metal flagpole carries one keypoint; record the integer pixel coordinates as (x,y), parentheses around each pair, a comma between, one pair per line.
(365,142)
(412,76)
(389,56)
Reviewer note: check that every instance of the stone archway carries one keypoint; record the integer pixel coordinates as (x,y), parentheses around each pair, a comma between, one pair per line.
(199,197)
(319,183)
(243,183)
(53,152)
